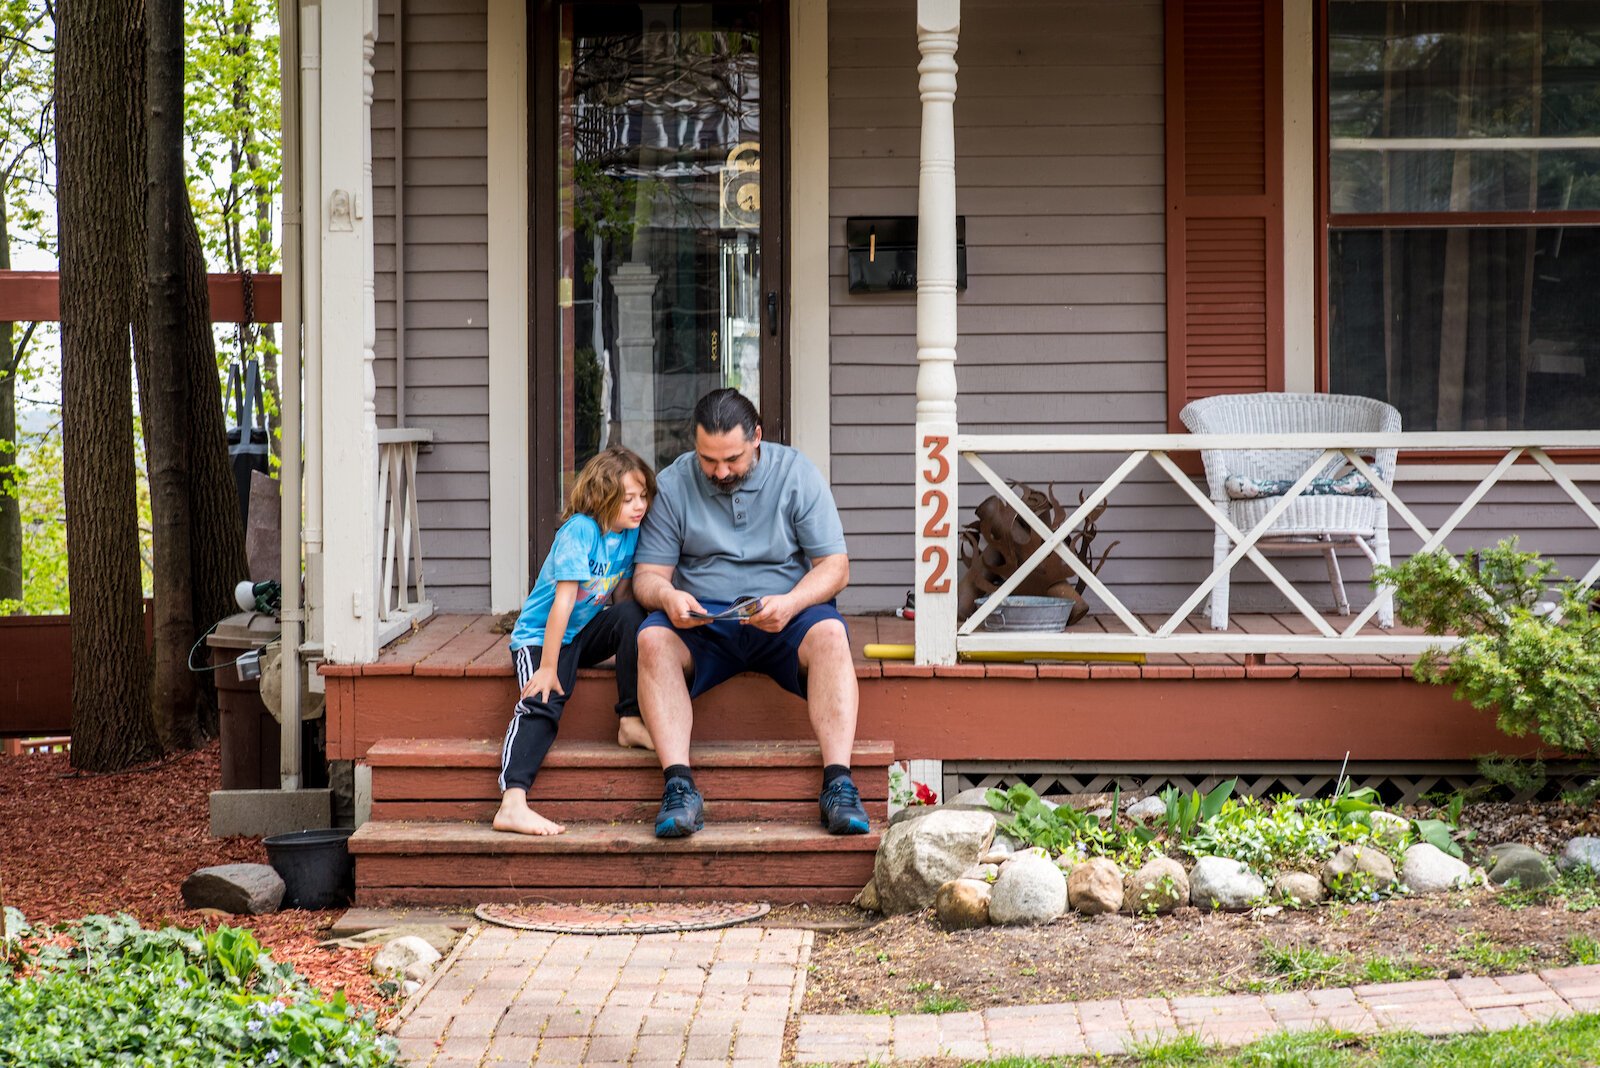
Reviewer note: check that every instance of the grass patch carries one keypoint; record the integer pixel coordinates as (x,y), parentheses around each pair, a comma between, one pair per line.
(1577,890)
(1395,970)
(1583,950)
(1483,952)
(1304,965)
(1568,1043)
(939,1004)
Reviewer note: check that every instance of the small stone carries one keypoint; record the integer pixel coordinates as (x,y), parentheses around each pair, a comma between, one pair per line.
(1028,890)
(978,795)
(1582,852)
(868,897)
(237,889)
(409,987)
(1102,813)
(1351,862)
(1298,889)
(1427,869)
(1160,885)
(1223,883)
(1148,808)
(1094,887)
(963,903)
(1514,861)
(1387,827)
(983,872)
(403,954)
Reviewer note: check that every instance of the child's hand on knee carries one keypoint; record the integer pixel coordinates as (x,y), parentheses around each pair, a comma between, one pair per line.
(543,684)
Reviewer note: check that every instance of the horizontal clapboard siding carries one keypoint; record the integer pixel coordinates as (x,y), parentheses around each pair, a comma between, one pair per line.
(1059,172)
(447,280)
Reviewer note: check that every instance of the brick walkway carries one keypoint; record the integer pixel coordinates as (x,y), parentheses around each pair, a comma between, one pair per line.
(695,1000)
(724,997)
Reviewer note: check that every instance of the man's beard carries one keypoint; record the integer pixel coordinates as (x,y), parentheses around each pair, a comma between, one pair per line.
(732,481)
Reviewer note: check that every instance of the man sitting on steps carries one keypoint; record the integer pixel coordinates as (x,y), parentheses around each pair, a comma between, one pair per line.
(740,518)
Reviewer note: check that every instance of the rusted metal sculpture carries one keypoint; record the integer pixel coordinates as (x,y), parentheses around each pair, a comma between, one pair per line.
(996,543)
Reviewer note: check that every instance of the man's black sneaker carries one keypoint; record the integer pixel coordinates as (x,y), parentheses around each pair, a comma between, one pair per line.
(841,808)
(682,811)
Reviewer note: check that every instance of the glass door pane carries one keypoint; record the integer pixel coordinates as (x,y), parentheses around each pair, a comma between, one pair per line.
(659,280)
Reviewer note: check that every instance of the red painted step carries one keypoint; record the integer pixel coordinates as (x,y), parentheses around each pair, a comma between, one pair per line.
(464,863)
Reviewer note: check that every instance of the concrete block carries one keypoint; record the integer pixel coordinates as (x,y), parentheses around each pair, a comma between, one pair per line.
(262,812)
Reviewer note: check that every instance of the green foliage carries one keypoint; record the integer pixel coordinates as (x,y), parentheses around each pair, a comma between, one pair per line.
(1304,965)
(942,1003)
(1539,668)
(1576,890)
(1185,1049)
(1064,829)
(1395,970)
(1185,813)
(1581,949)
(1482,952)
(1521,777)
(118,993)
(1288,830)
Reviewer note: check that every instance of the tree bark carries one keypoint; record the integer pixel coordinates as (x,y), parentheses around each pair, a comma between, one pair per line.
(10,507)
(164,393)
(97,70)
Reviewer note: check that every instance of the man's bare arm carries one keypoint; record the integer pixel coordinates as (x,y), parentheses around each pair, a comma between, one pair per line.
(653,588)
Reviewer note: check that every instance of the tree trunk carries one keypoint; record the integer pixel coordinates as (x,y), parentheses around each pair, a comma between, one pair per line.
(164,393)
(10,507)
(97,70)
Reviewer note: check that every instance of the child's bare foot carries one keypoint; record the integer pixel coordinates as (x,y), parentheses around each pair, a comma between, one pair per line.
(517,817)
(631,734)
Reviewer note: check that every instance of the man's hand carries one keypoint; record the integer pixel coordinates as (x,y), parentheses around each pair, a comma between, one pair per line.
(543,684)
(677,604)
(776,611)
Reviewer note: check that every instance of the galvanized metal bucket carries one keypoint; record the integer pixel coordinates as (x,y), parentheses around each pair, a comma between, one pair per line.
(1020,612)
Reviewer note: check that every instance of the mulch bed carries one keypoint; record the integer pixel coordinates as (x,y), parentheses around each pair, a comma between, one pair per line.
(81,844)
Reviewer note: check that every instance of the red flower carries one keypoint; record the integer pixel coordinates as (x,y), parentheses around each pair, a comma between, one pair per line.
(925,796)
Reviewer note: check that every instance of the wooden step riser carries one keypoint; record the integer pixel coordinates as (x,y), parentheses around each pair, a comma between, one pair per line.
(485,753)
(614,784)
(645,874)
(434,896)
(732,811)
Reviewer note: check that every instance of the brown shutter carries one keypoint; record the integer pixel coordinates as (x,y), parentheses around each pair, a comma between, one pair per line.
(1224,141)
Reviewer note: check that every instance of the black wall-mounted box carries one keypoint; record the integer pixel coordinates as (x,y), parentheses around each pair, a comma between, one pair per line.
(882,252)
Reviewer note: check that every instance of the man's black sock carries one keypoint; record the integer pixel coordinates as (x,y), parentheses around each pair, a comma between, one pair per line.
(678,771)
(834,771)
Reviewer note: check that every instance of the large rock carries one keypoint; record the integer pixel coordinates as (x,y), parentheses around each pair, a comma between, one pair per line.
(1028,890)
(1515,861)
(1160,885)
(1222,883)
(977,795)
(918,856)
(1581,853)
(1298,889)
(1095,886)
(917,812)
(1352,865)
(240,889)
(408,956)
(963,903)
(1427,869)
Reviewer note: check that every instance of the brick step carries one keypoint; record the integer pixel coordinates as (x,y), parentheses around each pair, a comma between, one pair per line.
(452,779)
(456,863)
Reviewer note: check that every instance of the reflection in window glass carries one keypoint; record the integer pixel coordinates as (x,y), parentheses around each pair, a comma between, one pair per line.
(1432,106)
(1469,329)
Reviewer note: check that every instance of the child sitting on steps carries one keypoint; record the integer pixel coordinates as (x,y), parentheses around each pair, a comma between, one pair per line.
(579,612)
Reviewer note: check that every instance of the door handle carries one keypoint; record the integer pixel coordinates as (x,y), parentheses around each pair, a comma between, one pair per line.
(772,313)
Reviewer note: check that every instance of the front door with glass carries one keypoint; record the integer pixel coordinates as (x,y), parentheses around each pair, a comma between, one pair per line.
(665,273)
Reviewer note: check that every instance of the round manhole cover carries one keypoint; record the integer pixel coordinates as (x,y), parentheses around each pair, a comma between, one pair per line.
(622,917)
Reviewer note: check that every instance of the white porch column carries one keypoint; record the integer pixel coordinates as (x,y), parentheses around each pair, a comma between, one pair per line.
(349,413)
(938,30)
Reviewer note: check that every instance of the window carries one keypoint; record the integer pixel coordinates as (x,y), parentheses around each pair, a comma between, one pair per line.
(1463,186)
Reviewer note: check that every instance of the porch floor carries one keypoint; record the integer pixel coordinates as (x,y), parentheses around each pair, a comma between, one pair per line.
(475,645)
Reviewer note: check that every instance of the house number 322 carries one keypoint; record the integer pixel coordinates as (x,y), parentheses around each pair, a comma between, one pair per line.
(937,526)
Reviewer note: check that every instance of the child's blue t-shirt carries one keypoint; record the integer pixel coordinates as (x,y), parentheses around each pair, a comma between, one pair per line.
(584,554)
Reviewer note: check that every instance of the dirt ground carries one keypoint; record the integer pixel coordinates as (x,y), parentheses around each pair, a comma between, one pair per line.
(902,963)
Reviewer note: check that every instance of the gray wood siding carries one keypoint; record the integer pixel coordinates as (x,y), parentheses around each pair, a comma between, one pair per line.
(447,280)
(1059,172)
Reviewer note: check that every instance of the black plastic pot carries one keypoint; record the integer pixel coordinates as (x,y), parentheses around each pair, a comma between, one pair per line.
(316,867)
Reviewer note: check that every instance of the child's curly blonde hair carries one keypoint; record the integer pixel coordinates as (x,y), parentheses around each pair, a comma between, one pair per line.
(599,491)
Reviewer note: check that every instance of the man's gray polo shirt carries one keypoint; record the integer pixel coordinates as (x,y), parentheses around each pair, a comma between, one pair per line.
(757,539)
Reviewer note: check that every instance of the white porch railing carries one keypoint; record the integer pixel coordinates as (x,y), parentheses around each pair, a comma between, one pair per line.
(402,594)
(936,538)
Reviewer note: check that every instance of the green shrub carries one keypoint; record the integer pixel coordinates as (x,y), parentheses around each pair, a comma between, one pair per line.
(1540,669)
(116,993)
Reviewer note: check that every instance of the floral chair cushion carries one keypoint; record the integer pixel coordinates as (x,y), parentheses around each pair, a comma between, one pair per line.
(1245,488)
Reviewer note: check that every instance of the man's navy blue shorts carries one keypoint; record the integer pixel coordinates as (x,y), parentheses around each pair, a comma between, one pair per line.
(728,647)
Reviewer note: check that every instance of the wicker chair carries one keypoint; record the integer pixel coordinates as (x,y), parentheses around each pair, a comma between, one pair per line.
(1312,523)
